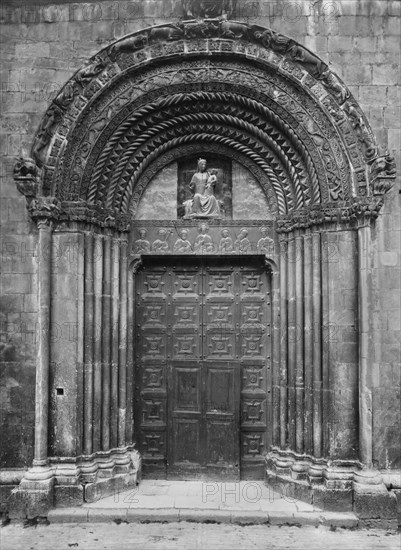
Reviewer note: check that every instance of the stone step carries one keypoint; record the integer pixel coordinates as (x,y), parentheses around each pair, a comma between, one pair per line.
(170,515)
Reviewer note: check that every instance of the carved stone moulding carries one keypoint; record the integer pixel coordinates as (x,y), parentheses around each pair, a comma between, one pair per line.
(336,474)
(221,237)
(92,477)
(103,94)
(351,213)
(238,114)
(334,485)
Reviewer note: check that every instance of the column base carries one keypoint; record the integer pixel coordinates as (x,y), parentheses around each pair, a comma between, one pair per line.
(32,498)
(337,486)
(374,504)
(69,482)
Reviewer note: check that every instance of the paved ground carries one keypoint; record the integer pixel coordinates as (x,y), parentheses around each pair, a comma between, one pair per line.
(241,495)
(242,502)
(191,536)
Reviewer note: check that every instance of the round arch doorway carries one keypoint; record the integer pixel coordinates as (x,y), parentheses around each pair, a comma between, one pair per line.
(245,93)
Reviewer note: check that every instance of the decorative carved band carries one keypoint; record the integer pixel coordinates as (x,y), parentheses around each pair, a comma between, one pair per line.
(133,98)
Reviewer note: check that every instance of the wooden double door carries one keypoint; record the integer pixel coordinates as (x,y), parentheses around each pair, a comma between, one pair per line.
(202,353)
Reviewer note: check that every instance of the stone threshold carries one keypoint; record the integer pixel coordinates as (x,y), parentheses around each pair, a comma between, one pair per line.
(346,520)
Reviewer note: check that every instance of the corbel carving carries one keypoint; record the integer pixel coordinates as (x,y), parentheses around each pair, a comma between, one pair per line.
(382,174)
(26,178)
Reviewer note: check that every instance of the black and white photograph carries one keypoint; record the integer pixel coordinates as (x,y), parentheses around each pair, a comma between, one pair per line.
(200,292)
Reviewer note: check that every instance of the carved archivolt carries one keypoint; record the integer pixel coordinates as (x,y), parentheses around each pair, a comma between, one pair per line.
(243,88)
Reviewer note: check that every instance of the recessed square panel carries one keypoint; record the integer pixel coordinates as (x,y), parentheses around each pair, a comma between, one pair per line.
(252,314)
(154,283)
(153,346)
(220,314)
(253,345)
(185,284)
(185,315)
(153,410)
(251,283)
(253,378)
(253,445)
(153,444)
(219,284)
(185,346)
(153,315)
(152,377)
(253,411)
(219,345)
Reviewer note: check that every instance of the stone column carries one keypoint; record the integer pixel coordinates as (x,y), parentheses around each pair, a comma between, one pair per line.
(283,341)
(34,496)
(365,304)
(42,364)
(122,358)
(371,497)
(89,332)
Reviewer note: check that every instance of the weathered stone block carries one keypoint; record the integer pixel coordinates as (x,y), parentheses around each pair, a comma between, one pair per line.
(31,499)
(68,495)
(36,49)
(17,283)
(339,44)
(105,487)
(366,43)
(332,500)
(5,493)
(385,74)
(375,505)
(358,74)
(392,26)
(394,139)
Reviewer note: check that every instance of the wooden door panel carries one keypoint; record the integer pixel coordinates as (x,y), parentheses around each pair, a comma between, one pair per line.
(221,444)
(202,342)
(187,442)
(254,354)
(220,389)
(187,388)
(151,364)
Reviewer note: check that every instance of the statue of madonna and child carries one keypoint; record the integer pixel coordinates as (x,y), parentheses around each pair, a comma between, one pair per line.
(203,203)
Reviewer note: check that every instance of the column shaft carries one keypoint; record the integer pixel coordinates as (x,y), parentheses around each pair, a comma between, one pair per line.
(89,343)
(43,361)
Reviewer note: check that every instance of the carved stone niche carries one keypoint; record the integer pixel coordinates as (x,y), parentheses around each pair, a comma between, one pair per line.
(238,191)
(223,188)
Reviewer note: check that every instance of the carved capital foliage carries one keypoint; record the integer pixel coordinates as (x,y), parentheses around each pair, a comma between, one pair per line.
(44,209)
(240,86)
(352,214)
